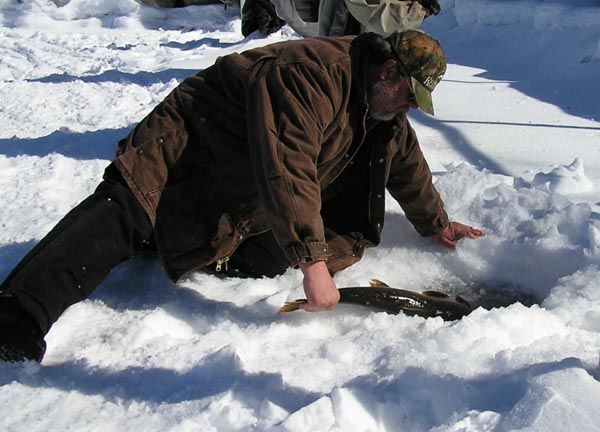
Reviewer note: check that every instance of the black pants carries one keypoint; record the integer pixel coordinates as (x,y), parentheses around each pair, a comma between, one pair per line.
(106,229)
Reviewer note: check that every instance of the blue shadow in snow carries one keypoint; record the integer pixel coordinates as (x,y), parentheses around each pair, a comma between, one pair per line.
(11,254)
(433,400)
(83,146)
(218,373)
(140,78)
(141,283)
(414,400)
(557,66)
(209,42)
(460,142)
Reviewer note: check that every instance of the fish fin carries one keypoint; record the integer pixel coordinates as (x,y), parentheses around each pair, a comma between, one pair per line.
(292,306)
(464,301)
(376,283)
(436,294)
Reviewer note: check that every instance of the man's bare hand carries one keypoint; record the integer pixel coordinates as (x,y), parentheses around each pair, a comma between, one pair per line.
(454,232)
(319,287)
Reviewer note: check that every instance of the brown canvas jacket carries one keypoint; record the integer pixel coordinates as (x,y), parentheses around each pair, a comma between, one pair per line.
(275,138)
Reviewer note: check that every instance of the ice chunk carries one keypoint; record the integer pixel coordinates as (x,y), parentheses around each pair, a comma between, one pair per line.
(565,179)
(354,411)
(317,416)
(563,398)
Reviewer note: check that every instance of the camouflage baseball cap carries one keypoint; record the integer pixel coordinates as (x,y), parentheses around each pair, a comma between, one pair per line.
(422,59)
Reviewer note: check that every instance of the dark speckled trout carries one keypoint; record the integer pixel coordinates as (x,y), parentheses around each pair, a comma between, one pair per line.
(380,296)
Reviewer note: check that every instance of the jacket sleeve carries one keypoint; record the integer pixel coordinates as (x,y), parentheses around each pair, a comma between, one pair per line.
(410,183)
(289,106)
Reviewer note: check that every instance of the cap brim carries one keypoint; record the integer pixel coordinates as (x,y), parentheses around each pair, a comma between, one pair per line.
(422,95)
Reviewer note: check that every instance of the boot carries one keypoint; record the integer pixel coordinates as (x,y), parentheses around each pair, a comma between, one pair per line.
(20,336)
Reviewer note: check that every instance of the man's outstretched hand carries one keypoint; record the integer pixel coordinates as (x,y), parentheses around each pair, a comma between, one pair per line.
(454,232)
(319,287)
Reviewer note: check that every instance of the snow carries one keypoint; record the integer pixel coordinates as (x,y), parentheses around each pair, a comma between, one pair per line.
(514,150)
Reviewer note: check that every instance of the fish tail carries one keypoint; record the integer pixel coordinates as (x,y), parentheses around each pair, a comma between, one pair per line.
(292,306)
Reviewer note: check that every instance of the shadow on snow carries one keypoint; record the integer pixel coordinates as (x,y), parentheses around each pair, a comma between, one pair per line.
(83,146)
(215,374)
(555,65)
(143,78)
(416,399)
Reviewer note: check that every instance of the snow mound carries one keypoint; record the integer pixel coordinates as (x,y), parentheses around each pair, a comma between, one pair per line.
(565,179)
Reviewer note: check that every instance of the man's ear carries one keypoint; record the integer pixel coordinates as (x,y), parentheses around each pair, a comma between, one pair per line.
(389,70)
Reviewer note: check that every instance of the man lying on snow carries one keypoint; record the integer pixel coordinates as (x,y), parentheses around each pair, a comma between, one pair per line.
(276,157)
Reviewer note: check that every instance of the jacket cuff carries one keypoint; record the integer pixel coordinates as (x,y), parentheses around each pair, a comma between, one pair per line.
(308,252)
(439,224)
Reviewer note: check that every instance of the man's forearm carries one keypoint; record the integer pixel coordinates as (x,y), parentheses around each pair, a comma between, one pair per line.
(319,287)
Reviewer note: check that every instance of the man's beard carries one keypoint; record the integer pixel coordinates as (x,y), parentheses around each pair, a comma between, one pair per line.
(381,93)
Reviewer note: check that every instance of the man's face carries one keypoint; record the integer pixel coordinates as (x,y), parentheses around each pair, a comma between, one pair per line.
(390,96)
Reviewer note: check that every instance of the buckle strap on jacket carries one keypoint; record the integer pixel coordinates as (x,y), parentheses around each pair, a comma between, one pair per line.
(308,252)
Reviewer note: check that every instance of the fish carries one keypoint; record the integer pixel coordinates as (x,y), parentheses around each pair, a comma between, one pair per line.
(381,296)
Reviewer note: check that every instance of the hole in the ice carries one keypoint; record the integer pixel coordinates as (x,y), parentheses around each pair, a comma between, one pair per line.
(501,295)
(491,295)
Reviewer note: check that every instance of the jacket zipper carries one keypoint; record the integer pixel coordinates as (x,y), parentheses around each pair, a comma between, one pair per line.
(222,263)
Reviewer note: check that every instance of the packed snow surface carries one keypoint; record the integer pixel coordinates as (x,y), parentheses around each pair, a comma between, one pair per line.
(515,150)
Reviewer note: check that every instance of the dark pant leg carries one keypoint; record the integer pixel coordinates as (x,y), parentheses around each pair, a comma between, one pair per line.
(258,256)
(71,260)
